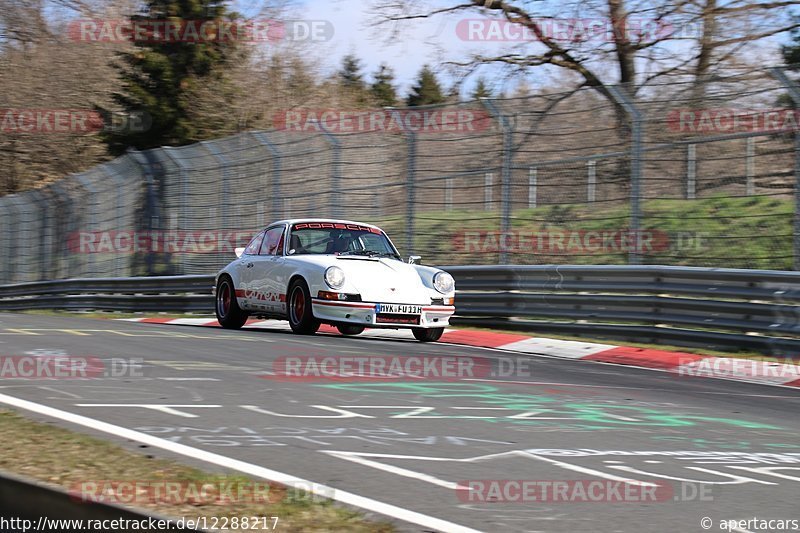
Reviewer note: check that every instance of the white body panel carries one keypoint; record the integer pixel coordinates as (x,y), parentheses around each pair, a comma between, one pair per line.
(262,283)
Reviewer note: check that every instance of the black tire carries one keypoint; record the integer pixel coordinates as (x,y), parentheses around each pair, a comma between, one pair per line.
(298,307)
(427,334)
(349,329)
(229,314)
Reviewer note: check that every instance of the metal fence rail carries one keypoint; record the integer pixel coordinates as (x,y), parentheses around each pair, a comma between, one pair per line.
(549,178)
(727,308)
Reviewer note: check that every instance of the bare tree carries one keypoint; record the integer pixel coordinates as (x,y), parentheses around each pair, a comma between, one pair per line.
(642,41)
(44,70)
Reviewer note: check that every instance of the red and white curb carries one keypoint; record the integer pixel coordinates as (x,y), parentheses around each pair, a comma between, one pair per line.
(683,364)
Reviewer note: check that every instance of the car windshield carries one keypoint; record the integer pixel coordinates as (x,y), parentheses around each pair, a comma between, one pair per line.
(339,239)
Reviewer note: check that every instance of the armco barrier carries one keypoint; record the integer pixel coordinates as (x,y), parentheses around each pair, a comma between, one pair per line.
(730,308)
(26,499)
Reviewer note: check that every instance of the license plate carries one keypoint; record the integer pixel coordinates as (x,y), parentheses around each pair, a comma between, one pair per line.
(397,319)
(399,309)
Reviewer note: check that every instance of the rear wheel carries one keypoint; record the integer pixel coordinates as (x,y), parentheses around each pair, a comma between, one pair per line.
(427,334)
(347,329)
(229,314)
(301,318)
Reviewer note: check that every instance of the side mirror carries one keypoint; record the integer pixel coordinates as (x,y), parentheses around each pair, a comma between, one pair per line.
(414,259)
(238,251)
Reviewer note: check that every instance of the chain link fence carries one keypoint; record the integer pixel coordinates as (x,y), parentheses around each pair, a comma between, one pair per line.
(679,174)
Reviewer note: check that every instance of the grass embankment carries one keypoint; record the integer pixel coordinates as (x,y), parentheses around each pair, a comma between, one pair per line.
(748,232)
(67,459)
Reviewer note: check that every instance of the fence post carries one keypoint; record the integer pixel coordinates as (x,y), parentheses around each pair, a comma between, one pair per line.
(750,164)
(794,93)
(13,259)
(488,184)
(691,171)
(150,210)
(637,155)
(505,175)
(91,223)
(448,194)
(120,180)
(225,165)
(277,200)
(184,209)
(411,190)
(533,178)
(60,233)
(43,202)
(411,176)
(5,239)
(591,191)
(336,172)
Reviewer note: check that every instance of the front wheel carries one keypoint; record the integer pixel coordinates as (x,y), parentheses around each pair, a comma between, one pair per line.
(347,329)
(301,318)
(427,334)
(229,314)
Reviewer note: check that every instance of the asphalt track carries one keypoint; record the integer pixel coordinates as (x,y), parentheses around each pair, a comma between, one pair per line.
(726,450)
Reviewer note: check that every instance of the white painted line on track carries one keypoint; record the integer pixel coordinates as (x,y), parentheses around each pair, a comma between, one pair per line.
(566,349)
(348,498)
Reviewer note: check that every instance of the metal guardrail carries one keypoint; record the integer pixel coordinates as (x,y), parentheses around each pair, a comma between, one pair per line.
(27,499)
(729,308)
(183,294)
(710,307)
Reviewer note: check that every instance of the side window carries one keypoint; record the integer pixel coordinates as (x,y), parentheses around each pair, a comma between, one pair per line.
(374,242)
(255,244)
(273,242)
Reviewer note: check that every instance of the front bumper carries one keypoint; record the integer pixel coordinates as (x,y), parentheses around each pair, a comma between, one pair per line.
(363,314)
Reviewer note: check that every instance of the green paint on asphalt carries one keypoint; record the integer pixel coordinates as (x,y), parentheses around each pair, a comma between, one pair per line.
(591,415)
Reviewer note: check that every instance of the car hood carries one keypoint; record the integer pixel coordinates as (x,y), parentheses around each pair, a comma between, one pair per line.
(384,280)
(379,279)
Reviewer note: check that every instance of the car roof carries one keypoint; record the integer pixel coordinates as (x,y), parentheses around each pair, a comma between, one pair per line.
(291,221)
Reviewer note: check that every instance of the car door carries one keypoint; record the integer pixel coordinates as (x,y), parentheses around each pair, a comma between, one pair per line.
(267,295)
(246,269)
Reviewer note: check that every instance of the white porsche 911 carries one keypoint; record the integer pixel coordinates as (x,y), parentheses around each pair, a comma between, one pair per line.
(338,272)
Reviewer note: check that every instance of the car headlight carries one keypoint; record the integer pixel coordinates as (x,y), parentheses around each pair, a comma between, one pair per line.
(334,277)
(443,282)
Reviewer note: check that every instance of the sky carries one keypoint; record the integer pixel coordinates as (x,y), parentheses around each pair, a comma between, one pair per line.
(432,41)
(425,41)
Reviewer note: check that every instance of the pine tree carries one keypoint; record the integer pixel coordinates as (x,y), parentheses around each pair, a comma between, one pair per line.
(351,81)
(382,88)
(160,75)
(350,73)
(427,89)
(481,90)
(791,52)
